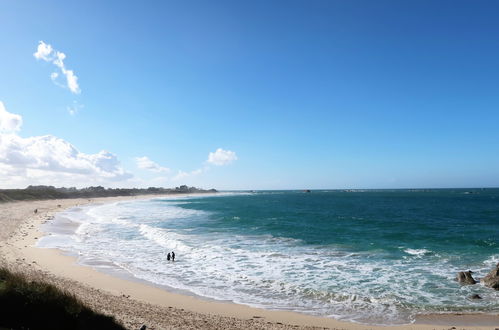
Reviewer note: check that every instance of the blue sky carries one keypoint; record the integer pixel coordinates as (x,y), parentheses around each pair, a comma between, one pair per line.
(292,94)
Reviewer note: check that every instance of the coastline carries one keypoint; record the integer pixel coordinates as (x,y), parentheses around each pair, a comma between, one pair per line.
(153,306)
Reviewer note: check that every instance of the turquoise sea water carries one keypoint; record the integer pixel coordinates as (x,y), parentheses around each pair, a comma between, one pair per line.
(377,257)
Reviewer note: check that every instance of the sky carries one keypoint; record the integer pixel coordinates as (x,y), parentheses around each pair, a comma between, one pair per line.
(257,94)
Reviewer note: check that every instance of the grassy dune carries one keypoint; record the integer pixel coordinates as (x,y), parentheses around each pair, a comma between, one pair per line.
(26,304)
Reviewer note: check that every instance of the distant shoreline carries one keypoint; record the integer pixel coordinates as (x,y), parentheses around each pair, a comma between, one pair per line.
(51,192)
(17,249)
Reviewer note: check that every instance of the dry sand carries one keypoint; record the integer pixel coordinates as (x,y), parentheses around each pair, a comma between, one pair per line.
(134,303)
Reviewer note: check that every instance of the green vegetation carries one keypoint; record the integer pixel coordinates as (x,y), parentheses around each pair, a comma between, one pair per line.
(26,304)
(50,192)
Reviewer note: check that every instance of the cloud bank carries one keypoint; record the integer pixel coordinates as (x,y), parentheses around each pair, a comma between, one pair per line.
(50,160)
(47,53)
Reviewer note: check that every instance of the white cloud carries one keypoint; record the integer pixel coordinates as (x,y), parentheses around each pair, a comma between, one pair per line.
(51,160)
(47,53)
(221,157)
(52,154)
(72,81)
(58,58)
(147,164)
(44,52)
(9,122)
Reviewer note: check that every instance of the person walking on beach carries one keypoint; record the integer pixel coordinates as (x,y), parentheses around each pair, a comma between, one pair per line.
(173,256)
(168,256)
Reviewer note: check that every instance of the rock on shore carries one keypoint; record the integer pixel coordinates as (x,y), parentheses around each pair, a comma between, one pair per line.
(491,280)
(465,278)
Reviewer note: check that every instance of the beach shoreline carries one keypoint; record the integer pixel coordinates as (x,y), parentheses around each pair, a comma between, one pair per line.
(164,309)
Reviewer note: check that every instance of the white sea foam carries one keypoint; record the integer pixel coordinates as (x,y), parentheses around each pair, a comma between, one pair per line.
(492,261)
(417,252)
(164,238)
(264,270)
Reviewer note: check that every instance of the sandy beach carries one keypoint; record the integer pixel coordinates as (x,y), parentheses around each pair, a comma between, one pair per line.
(135,303)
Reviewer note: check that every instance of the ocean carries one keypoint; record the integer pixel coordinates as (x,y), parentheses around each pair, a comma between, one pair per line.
(370,256)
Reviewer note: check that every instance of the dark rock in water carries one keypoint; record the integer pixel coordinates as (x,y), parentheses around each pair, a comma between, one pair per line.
(465,278)
(492,279)
(475,296)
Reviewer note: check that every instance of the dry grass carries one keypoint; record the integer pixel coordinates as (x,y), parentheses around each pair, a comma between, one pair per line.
(26,304)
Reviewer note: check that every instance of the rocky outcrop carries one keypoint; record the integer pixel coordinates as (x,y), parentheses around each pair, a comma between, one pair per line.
(492,278)
(465,278)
